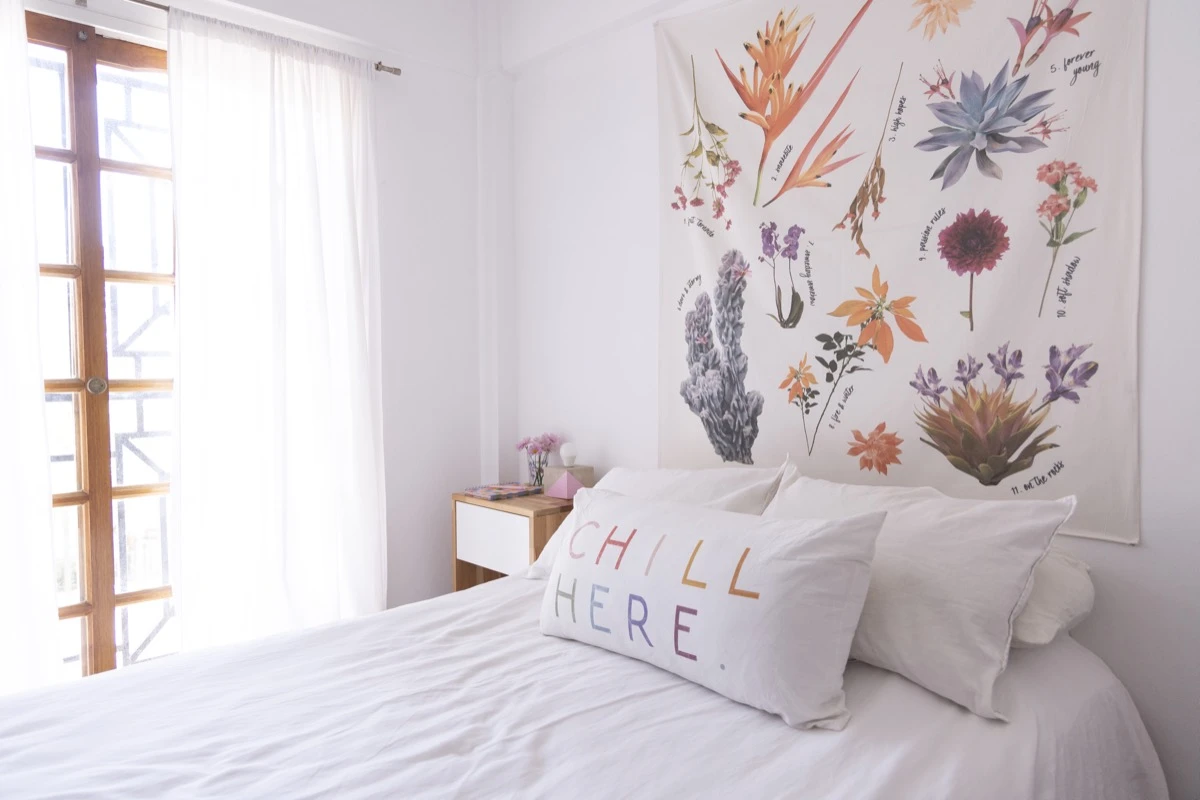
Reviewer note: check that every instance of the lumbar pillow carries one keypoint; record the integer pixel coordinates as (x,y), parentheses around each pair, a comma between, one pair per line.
(759,611)
(949,579)
(1062,597)
(746,490)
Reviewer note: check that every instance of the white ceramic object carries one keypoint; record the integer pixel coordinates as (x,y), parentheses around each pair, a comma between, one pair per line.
(568,454)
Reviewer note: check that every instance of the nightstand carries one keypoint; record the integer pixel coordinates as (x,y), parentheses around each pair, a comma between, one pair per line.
(494,538)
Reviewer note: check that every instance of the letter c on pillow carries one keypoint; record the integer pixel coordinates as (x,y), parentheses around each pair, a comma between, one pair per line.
(571,541)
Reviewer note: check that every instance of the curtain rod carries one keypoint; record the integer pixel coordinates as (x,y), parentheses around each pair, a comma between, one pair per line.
(379,65)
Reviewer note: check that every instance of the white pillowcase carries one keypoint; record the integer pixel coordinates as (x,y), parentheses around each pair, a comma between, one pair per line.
(1062,597)
(760,611)
(746,490)
(949,578)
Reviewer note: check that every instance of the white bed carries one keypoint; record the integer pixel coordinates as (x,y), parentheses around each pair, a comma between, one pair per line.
(461,696)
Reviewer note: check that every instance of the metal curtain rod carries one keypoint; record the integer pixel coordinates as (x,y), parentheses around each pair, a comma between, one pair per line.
(379,65)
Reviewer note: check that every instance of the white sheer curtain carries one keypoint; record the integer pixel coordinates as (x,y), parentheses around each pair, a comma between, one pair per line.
(28,611)
(279,502)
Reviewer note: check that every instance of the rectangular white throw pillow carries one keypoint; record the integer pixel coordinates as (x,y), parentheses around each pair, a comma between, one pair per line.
(746,490)
(949,578)
(762,612)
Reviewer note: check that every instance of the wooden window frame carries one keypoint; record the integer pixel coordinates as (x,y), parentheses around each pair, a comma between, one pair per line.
(97,567)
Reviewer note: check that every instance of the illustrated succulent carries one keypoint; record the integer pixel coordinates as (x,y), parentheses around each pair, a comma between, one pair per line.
(986,432)
(981,123)
(715,389)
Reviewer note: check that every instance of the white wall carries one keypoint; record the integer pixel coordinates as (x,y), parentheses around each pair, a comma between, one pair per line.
(586,200)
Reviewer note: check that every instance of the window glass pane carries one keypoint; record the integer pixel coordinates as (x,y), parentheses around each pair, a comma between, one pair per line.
(145,631)
(67,531)
(48,98)
(143,431)
(140,543)
(141,330)
(54,187)
(58,332)
(62,435)
(134,115)
(138,226)
(70,643)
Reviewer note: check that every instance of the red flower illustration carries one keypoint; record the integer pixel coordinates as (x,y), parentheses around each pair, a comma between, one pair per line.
(876,450)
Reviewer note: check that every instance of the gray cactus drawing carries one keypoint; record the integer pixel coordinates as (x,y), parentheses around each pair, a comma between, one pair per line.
(715,389)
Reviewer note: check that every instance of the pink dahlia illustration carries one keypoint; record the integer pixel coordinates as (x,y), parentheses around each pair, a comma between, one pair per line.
(973,243)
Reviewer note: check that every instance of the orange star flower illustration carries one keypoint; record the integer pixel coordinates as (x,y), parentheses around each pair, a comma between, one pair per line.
(876,450)
(798,379)
(871,314)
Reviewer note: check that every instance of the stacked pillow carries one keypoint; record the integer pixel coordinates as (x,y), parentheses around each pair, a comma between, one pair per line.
(746,490)
(949,580)
(953,583)
(761,611)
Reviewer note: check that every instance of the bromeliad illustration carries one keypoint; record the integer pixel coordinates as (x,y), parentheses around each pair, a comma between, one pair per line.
(982,429)
(1051,24)
(1056,213)
(715,389)
(789,250)
(773,103)
(714,171)
(981,123)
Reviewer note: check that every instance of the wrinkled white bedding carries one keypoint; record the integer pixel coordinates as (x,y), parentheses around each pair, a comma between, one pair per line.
(462,697)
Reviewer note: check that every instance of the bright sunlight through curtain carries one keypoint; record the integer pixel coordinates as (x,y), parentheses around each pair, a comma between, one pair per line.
(279,505)
(28,611)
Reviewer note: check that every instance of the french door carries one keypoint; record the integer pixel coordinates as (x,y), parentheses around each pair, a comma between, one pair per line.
(101,124)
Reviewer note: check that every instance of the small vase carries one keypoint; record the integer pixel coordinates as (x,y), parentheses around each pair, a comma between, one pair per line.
(537,467)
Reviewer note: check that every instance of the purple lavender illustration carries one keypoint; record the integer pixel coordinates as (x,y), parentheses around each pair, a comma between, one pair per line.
(715,389)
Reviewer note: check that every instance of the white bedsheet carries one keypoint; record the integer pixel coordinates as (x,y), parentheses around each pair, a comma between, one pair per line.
(462,697)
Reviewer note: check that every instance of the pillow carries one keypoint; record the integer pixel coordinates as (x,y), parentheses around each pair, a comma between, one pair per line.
(759,611)
(1062,597)
(949,578)
(743,489)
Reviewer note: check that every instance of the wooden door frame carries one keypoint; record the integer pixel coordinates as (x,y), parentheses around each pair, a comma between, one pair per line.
(85,48)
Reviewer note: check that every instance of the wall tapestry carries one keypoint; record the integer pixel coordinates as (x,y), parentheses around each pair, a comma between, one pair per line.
(901,243)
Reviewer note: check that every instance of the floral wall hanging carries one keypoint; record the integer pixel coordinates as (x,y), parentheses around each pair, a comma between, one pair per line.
(924,218)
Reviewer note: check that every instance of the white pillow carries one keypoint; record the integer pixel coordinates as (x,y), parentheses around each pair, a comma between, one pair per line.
(949,578)
(760,611)
(746,490)
(1062,597)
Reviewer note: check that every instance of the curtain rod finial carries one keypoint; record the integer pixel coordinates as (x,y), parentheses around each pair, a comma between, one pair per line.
(382,67)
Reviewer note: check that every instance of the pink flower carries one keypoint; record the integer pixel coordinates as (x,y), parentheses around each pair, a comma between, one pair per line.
(732,170)
(1083,182)
(1054,206)
(696,201)
(1050,174)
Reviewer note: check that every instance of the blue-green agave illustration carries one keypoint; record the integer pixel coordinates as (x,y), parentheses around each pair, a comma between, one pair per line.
(980,124)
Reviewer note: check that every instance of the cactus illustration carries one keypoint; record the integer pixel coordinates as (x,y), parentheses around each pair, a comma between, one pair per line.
(715,389)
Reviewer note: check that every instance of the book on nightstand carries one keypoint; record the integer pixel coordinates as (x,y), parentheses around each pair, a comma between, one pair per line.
(503,491)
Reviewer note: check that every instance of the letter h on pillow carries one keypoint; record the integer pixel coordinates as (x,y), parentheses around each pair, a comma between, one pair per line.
(760,611)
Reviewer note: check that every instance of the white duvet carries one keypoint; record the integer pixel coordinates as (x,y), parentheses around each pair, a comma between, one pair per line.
(462,697)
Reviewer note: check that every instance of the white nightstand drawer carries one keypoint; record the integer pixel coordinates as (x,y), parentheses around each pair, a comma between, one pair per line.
(493,539)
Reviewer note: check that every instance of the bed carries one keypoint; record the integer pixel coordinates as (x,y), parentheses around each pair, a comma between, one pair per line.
(461,696)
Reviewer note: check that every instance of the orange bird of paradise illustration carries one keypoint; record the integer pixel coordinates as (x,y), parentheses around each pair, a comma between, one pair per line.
(773,103)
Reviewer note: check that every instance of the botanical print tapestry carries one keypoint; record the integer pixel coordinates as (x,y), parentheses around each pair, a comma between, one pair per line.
(901,242)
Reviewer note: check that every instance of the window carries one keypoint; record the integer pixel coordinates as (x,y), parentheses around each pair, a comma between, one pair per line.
(105,242)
